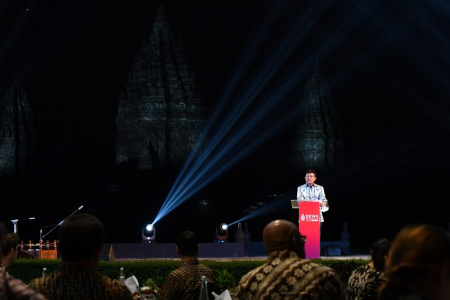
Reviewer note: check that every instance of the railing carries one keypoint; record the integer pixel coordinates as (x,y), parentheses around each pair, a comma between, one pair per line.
(40,250)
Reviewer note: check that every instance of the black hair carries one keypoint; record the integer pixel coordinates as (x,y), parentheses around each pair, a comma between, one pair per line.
(311,171)
(80,236)
(187,243)
(380,249)
(11,242)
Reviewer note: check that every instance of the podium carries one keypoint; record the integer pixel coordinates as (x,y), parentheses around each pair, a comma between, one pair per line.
(309,225)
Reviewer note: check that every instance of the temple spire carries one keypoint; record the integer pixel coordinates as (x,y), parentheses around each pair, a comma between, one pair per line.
(160,116)
(161,13)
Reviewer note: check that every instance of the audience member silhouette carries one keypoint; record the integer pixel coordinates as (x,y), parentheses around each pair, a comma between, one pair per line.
(287,274)
(13,288)
(418,265)
(9,250)
(365,281)
(184,282)
(80,241)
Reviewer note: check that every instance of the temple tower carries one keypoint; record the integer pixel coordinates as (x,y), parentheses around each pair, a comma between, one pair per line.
(160,113)
(318,138)
(17,137)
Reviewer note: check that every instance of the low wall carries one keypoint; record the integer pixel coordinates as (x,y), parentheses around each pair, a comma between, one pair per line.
(206,250)
(167,250)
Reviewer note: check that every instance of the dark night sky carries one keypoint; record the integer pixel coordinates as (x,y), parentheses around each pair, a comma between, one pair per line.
(386,64)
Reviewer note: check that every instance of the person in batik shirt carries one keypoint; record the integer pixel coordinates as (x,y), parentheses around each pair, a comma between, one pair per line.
(365,281)
(287,274)
(184,282)
(12,288)
(80,241)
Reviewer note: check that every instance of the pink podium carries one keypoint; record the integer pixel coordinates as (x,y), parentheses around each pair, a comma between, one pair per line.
(309,225)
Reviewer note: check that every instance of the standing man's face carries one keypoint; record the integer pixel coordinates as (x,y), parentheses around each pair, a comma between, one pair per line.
(310,178)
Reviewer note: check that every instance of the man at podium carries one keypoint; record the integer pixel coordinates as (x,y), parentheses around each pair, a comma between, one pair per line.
(313,192)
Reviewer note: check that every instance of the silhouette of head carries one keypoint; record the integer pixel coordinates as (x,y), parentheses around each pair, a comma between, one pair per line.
(380,249)
(187,243)
(283,235)
(418,263)
(80,236)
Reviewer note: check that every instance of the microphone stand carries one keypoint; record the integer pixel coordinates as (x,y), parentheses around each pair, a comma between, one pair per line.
(79,208)
(17,220)
(40,236)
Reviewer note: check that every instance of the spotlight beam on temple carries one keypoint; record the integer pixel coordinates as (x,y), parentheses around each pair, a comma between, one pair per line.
(232,141)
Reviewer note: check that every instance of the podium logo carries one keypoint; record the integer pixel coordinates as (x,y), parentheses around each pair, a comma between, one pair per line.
(302,217)
(312,218)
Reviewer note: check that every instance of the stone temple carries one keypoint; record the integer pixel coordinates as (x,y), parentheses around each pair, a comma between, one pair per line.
(17,136)
(160,113)
(318,142)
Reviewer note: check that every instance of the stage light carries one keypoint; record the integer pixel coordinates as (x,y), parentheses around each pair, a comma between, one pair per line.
(148,234)
(222,233)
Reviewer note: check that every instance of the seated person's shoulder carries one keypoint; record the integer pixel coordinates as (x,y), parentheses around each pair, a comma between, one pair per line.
(322,270)
(116,287)
(202,266)
(330,286)
(21,291)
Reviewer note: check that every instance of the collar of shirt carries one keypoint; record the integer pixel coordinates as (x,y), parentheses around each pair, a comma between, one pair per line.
(190,262)
(282,254)
(76,269)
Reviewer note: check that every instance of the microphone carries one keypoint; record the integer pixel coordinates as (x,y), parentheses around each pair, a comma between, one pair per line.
(56,225)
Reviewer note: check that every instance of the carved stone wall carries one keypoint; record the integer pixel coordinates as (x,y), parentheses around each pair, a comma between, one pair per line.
(17,137)
(160,113)
(318,139)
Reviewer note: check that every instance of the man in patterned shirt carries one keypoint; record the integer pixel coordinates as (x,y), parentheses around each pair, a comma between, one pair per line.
(184,282)
(10,287)
(311,191)
(80,243)
(286,274)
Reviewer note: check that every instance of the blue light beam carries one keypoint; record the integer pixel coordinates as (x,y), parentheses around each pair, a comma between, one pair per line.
(278,204)
(238,134)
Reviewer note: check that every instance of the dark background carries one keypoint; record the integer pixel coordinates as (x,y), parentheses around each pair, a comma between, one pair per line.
(386,66)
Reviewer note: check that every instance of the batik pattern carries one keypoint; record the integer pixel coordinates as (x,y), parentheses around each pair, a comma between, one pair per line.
(286,276)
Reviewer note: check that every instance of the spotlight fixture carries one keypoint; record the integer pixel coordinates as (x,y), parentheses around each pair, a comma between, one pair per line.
(222,233)
(148,234)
